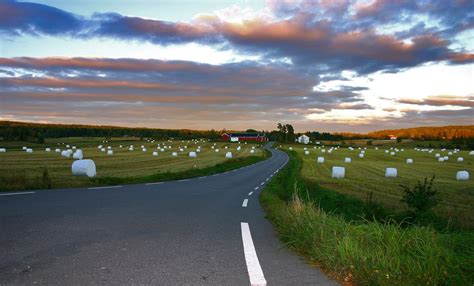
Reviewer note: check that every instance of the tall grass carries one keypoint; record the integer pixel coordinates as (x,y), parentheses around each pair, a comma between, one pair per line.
(361,251)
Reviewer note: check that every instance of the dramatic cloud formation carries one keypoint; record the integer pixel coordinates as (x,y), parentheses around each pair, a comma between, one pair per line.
(304,47)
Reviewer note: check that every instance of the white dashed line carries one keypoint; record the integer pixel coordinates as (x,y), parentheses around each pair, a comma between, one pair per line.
(108,187)
(267,180)
(13,194)
(250,193)
(244,204)
(253,265)
(261,184)
(157,183)
(256,188)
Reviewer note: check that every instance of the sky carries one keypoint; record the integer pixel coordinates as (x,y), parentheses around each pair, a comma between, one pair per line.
(320,65)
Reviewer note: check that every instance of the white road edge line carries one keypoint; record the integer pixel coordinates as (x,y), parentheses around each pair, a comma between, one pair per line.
(245,202)
(12,194)
(183,180)
(253,265)
(201,177)
(157,183)
(108,187)
(250,193)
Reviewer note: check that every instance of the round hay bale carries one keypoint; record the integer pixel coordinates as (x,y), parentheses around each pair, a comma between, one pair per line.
(24,148)
(66,153)
(174,154)
(228,155)
(47,149)
(391,172)
(338,172)
(460,159)
(57,150)
(462,175)
(78,155)
(471,153)
(155,153)
(110,152)
(361,155)
(409,161)
(347,160)
(192,154)
(84,168)
(440,159)
(252,151)
(3,150)
(29,150)
(320,160)
(306,152)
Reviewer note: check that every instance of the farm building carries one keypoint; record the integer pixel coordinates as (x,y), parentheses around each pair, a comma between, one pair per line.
(303,139)
(234,137)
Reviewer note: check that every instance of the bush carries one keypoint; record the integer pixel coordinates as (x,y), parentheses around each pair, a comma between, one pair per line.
(422,198)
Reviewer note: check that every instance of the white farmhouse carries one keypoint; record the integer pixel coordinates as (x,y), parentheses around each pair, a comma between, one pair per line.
(303,139)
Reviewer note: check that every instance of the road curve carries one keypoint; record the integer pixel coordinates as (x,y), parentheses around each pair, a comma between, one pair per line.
(188,232)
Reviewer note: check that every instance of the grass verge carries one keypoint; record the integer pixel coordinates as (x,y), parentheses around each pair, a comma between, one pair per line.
(320,225)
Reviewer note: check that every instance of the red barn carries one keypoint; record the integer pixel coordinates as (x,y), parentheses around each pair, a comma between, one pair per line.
(259,137)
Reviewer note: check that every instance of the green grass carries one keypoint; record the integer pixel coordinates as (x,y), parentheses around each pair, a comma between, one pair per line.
(20,170)
(320,227)
(366,176)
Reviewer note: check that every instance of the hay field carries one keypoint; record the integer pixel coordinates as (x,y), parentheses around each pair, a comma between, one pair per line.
(21,166)
(366,175)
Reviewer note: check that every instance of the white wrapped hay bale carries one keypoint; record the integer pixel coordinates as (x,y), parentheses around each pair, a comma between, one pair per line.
(162,150)
(471,153)
(24,148)
(437,155)
(57,150)
(3,150)
(47,149)
(120,146)
(144,149)
(409,161)
(29,150)
(130,149)
(347,160)
(462,175)
(192,154)
(66,153)
(174,154)
(440,159)
(386,151)
(102,149)
(391,172)
(217,150)
(252,151)
(238,148)
(392,153)
(306,152)
(155,153)
(450,153)
(361,155)
(110,152)
(291,148)
(77,155)
(320,160)
(67,146)
(338,172)
(228,155)
(109,148)
(84,168)
(460,159)
(446,158)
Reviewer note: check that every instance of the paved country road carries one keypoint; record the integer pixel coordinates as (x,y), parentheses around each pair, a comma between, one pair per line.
(203,231)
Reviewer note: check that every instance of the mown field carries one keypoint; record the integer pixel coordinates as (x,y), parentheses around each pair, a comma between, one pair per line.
(367,175)
(19,168)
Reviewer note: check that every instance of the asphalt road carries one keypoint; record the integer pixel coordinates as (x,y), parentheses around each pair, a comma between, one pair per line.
(188,232)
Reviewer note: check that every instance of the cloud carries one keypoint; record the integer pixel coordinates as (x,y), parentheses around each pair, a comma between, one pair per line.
(467,101)
(313,34)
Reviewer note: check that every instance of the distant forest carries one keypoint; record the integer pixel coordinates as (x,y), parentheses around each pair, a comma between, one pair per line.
(34,132)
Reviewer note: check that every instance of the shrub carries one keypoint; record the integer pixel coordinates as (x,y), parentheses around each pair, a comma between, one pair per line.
(422,198)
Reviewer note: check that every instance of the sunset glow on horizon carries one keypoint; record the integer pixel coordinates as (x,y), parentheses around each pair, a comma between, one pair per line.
(338,66)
